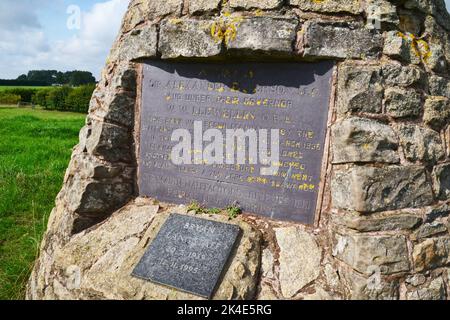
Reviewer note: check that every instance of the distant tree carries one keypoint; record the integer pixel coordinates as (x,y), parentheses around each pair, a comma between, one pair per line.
(51,77)
(61,78)
(78,78)
(48,76)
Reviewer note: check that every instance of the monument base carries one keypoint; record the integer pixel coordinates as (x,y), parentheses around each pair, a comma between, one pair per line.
(98,263)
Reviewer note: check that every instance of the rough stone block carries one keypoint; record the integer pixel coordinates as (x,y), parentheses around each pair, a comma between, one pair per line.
(364,140)
(403,103)
(368,253)
(440,35)
(435,57)
(166,7)
(299,259)
(94,189)
(410,21)
(437,112)
(339,40)
(136,14)
(267,34)
(431,253)
(198,6)
(401,47)
(381,14)
(429,230)
(369,189)
(435,8)
(86,166)
(421,144)
(89,197)
(435,290)
(359,89)
(404,76)
(267,263)
(351,6)
(416,280)
(115,97)
(374,287)
(117,107)
(441,181)
(377,221)
(110,142)
(138,44)
(396,46)
(440,211)
(439,86)
(256,4)
(188,38)
(84,134)
(124,78)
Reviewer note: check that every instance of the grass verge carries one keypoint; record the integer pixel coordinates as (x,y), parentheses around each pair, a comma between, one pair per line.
(35,148)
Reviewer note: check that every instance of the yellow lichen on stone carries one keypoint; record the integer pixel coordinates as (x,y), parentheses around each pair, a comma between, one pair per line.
(216,32)
(225,29)
(424,49)
(175,20)
(419,47)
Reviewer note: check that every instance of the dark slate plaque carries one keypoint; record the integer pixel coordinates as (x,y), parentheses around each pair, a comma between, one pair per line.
(188,254)
(293,97)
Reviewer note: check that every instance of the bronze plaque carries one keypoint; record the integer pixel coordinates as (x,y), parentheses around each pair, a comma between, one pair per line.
(290,97)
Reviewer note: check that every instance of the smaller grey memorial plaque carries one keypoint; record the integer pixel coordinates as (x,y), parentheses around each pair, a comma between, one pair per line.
(188,254)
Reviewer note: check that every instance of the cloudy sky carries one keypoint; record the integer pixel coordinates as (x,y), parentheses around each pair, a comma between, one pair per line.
(34,34)
(46,34)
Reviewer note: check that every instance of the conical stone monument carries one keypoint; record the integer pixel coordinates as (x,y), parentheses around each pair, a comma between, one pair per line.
(358,204)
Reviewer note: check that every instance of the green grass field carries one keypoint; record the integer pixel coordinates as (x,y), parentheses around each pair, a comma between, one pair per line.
(21,87)
(35,148)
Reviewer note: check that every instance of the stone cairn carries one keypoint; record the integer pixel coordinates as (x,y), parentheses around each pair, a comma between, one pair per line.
(383,231)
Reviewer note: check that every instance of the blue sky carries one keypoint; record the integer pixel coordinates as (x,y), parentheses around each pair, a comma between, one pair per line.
(34,35)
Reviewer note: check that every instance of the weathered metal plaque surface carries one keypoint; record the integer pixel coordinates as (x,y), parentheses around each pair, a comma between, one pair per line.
(188,254)
(291,97)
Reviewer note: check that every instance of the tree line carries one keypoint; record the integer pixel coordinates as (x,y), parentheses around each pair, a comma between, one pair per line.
(51,78)
(65,98)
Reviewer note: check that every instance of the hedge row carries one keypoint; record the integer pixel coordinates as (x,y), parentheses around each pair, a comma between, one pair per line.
(65,98)
(25,94)
(9,98)
(57,98)
(23,83)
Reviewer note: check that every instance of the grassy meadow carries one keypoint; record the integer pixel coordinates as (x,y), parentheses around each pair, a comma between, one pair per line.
(35,148)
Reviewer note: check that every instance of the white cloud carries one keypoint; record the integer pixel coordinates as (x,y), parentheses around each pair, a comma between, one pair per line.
(99,27)
(24,46)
